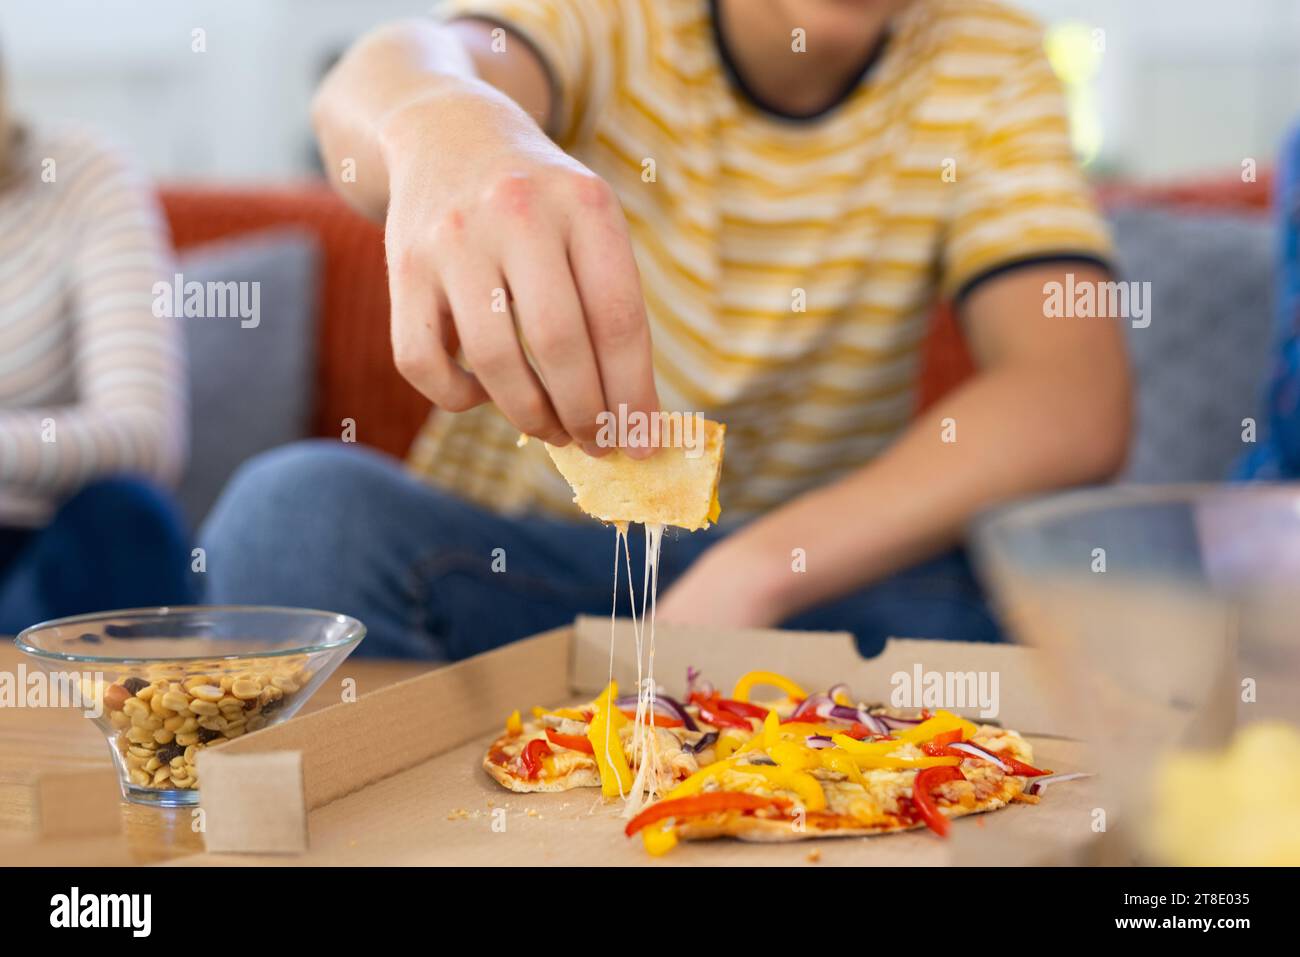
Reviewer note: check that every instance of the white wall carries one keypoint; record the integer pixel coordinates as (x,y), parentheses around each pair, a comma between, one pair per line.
(1185,85)
(237,111)
(1189,86)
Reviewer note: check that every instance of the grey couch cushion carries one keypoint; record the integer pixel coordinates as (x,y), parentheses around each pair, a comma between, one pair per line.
(1202,363)
(250,388)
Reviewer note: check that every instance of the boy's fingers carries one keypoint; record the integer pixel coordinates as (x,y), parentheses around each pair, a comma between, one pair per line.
(423,343)
(610,289)
(481,311)
(555,333)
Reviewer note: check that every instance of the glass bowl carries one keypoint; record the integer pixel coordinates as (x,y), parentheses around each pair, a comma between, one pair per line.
(163,684)
(1167,617)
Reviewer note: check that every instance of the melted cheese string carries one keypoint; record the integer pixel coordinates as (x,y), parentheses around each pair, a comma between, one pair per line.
(620,538)
(645,786)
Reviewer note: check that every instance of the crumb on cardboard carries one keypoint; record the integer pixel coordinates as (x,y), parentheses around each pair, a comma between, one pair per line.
(532,812)
(814,856)
(457,814)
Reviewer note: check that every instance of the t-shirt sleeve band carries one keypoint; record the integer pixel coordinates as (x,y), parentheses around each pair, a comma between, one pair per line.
(1038,259)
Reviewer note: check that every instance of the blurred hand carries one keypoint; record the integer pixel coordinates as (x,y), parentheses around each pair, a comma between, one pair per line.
(729,586)
(486,212)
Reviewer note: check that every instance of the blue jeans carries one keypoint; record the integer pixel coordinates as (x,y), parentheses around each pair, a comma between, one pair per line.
(326,525)
(117,543)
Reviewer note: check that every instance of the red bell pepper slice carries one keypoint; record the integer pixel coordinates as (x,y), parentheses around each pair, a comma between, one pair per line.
(741,708)
(532,756)
(926,781)
(724,719)
(1020,768)
(937,747)
(711,711)
(574,742)
(697,804)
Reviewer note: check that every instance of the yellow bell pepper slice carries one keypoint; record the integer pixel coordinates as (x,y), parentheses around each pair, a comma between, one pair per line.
(572,714)
(789,754)
(941,722)
(801,729)
(514,724)
(770,678)
(869,755)
(789,779)
(659,838)
(862,748)
(768,734)
(615,775)
(694,783)
(833,760)
(728,744)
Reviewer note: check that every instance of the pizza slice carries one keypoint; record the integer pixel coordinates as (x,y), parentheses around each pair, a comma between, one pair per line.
(678,485)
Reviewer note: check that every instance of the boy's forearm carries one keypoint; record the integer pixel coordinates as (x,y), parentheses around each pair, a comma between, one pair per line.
(1018,429)
(395,72)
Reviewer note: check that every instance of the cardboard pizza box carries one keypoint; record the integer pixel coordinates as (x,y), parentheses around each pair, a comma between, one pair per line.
(395,777)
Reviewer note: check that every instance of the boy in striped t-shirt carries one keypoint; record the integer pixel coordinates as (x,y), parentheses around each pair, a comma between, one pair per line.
(745,208)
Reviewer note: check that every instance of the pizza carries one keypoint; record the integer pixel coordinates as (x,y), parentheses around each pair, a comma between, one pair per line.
(596,745)
(793,768)
(798,767)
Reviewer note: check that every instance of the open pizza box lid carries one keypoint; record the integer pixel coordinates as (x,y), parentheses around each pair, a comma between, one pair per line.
(395,776)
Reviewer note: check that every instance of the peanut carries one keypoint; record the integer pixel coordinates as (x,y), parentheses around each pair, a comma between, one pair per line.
(212,693)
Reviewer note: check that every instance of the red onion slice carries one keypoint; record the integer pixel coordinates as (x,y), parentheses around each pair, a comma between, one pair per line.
(891,722)
(840,688)
(818,705)
(975,751)
(709,738)
(665,705)
(1036,785)
(694,684)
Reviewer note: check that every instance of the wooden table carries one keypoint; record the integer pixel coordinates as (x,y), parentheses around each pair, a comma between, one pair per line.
(37,740)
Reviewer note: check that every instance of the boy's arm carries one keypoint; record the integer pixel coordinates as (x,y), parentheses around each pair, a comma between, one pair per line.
(1048,408)
(401,70)
(443,126)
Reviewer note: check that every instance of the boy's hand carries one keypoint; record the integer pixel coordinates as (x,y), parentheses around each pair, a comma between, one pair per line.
(486,213)
(730,586)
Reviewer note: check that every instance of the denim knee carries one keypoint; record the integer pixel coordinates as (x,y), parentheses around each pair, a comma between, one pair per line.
(121,508)
(284,504)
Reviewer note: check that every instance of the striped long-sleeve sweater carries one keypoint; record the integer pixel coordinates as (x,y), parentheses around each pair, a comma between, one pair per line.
(91,382)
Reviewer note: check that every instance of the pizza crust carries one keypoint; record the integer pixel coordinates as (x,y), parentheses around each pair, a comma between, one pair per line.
(675,762)
(669,488)
(578,778)
(747,827)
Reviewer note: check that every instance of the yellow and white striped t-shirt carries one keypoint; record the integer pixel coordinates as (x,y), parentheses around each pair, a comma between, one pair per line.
(790,266)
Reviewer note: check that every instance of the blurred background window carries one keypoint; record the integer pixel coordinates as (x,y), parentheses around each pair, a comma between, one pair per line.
(1158,88)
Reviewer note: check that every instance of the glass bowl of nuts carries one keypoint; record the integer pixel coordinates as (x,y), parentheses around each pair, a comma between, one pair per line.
(163,684)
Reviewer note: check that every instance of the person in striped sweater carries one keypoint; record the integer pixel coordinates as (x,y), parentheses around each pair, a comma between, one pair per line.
(742,208)
(92,415)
